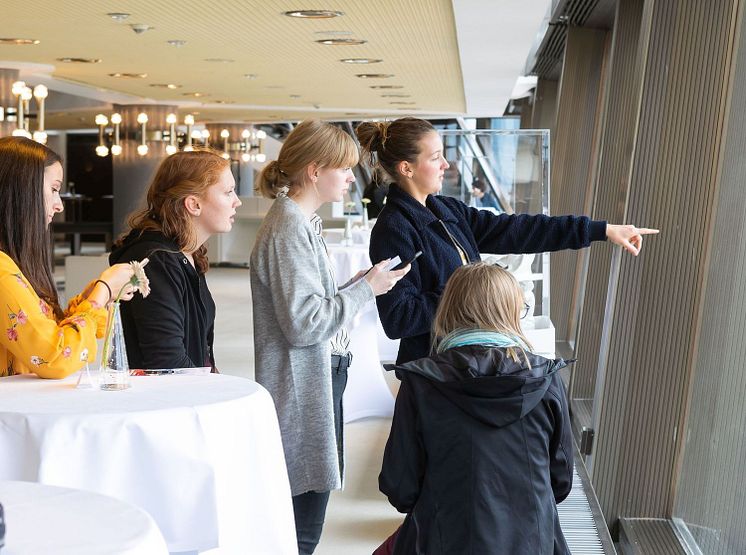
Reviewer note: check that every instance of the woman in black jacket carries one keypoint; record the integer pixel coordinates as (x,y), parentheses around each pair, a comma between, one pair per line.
(449,233)
(191,198)
(480,449)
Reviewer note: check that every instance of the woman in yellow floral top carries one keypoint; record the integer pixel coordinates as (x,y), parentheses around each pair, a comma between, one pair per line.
(36,335)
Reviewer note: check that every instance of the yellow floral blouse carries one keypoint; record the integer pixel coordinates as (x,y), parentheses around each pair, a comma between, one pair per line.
(31,339)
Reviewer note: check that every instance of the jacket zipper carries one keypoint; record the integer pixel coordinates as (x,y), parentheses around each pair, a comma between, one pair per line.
(461,252)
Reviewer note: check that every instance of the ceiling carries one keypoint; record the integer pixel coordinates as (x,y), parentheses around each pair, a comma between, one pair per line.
(428,46)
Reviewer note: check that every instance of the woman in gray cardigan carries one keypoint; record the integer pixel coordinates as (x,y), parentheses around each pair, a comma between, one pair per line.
(300,342)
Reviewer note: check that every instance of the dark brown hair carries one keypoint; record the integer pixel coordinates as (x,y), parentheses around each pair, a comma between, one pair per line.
(180,175)
(24,234)
(312,141)
(385,144)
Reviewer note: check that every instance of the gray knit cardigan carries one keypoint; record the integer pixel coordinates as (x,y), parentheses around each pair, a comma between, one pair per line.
(297,310)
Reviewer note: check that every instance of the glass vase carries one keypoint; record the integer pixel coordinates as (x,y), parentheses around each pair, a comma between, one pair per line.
(114,370)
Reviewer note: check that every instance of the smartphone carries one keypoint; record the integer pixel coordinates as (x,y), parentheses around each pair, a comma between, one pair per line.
(404,264)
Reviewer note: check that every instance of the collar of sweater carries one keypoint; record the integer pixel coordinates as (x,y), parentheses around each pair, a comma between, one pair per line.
(421,216)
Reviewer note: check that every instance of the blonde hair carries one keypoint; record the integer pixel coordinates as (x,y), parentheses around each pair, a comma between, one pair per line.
(481,296)
(311,142)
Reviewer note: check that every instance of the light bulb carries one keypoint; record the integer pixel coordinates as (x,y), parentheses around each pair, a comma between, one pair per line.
(188,148)
(40,92)
(226,155)
(116,118)
(116,150)
(102,150)
(142,117)
(101,119)
(17,87)
(142,150)
(205,134)
(170,149)
(261,158)
(246,157)
(245,134)
(261,134)
(225,133)
(27,93)
(40,137)
(21,133)
(171,118)
(189,119)
(196,134)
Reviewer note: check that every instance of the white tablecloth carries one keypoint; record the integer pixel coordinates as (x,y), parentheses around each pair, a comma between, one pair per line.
(201,454)
(44,519)
(367,393)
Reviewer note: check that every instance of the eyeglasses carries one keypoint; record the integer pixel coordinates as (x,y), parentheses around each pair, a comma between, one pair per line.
(525,310)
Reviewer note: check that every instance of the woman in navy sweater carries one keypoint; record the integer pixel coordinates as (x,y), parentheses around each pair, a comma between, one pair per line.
(449,233)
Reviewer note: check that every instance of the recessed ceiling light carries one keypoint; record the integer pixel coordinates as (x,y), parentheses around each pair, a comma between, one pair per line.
(129,75)
(374,75)
(395,95)
(314,14)
(408,109)
(70,60)
(165,86)
(250,75)
(19,41)
(176,43)
(341,42)
(402,103)
(220,60)
(140,28)
(294,96)
(195,94)
(387,86)
(118,17)
(223,101)
(360,60)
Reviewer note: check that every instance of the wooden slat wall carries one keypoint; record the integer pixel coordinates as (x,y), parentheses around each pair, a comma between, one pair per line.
(620,117)
(544,114)
(573,148)
(710,492)
(673,184)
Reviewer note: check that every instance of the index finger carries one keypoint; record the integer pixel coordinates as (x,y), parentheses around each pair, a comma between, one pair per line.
(647,231)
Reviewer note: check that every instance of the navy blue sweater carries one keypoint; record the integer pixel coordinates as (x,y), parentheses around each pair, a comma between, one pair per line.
(405,227)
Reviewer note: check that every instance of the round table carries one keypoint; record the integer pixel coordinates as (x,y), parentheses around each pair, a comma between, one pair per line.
(201,454)
(45,519)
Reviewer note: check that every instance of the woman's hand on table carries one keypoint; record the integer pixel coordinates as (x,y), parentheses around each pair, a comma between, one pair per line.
(381,280)
(628,237)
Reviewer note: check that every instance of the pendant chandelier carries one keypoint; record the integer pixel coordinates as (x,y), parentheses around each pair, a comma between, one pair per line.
(21,113)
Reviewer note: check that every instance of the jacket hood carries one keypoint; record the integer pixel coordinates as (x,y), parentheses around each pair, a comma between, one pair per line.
(143,242)
(485,382)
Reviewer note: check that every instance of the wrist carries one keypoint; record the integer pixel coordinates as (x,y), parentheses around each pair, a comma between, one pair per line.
(101,289)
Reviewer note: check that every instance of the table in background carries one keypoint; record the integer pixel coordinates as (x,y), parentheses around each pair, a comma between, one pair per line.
(367,393)
(201,454)
(45,519)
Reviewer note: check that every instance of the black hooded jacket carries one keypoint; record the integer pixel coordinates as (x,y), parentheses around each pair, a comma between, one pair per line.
(174,326)
(480,452)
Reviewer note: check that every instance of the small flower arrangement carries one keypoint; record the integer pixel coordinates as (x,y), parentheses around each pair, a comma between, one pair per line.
(114,372)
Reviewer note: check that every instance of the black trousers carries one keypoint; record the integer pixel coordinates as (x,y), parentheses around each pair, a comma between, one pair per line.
(310,507)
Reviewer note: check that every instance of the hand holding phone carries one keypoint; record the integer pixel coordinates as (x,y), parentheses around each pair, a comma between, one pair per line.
(406,263)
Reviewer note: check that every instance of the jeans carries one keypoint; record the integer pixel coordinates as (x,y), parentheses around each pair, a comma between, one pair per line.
(310,507)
